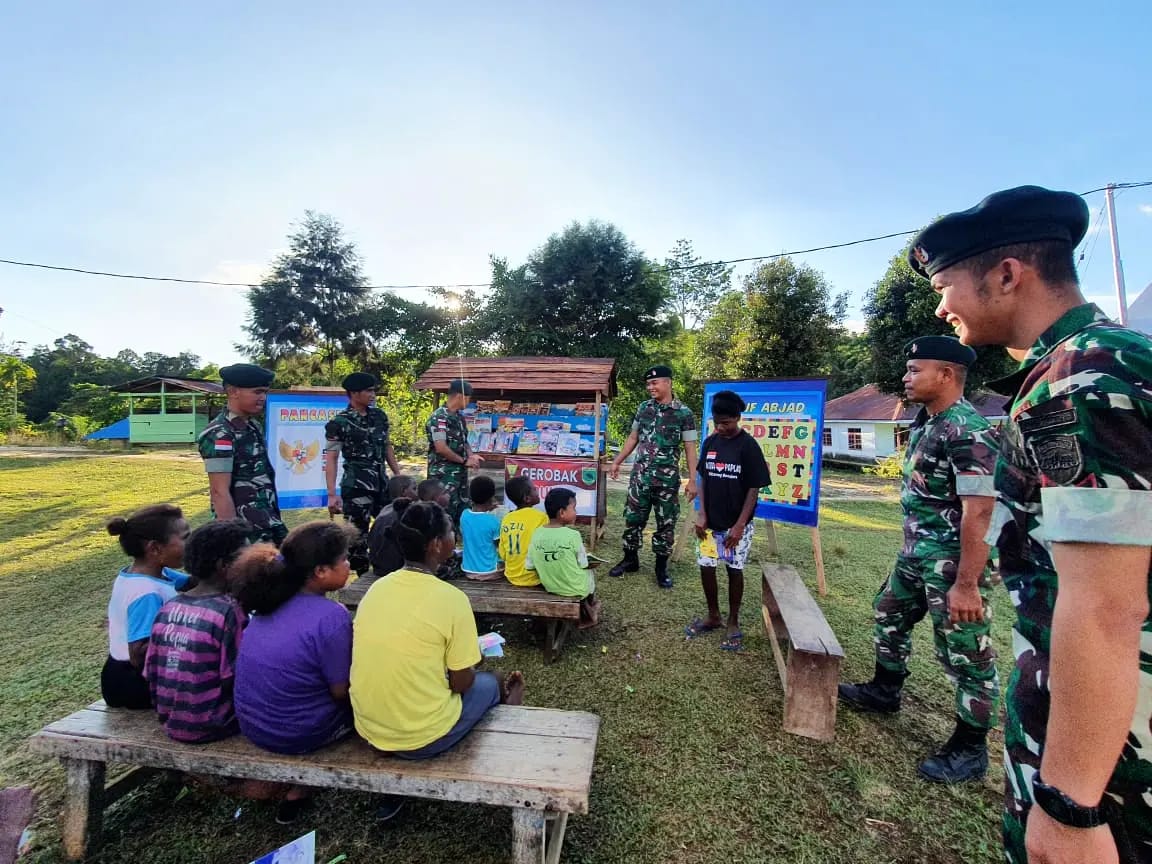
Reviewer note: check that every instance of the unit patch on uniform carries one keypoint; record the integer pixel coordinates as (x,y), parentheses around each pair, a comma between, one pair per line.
(1051,420)
(1059,458)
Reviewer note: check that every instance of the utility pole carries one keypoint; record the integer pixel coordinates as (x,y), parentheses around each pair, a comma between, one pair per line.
(1117,265)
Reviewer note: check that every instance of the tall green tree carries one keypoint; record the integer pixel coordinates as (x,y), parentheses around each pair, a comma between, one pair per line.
(694,285)
(901,307)
(784,322)
(69,360)
(313,298)
(587,292)
(14,373)
(849,365)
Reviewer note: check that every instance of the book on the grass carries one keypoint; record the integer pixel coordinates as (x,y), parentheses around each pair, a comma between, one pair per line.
(302,850)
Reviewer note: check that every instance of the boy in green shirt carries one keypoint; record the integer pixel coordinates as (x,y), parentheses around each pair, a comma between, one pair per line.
(556,552)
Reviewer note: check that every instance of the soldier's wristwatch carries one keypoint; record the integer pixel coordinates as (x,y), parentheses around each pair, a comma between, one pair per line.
(1062,808)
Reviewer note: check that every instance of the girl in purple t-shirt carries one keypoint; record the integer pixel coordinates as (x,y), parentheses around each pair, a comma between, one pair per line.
(195,639)
(293,669)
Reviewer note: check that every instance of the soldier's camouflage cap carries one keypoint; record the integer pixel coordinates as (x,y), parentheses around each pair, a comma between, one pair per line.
(246,375)
(1026,214)
(657,372)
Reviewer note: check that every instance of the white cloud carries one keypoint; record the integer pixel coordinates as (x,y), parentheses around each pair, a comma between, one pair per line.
(236,271)
(1146,208)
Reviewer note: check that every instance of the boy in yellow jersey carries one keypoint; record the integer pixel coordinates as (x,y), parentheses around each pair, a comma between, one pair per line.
(516,529)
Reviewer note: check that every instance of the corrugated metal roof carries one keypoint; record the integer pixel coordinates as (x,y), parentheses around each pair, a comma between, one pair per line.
(868,403)
(151,385)
(487,375)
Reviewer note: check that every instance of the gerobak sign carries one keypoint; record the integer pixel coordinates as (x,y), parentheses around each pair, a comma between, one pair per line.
(294,429)
(546,474)
(786,418)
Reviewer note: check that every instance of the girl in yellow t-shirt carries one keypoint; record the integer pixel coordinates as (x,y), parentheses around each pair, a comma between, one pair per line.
(415,691)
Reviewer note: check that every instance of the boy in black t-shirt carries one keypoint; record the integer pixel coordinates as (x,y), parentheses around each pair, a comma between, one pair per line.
(732,470)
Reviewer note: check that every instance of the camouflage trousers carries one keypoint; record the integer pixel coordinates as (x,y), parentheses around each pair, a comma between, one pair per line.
(645,497)
(919,587)
(455,480)
(267,526)
(360,508)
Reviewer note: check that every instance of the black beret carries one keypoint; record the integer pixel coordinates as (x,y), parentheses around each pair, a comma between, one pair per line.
(940,348)
(657,372)
(246,375)
(1026,214)
(360,381)
(727,403)
(459,385)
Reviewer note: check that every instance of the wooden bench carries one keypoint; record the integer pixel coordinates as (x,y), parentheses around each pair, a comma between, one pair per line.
(503,598)
(810,669)
(534,760)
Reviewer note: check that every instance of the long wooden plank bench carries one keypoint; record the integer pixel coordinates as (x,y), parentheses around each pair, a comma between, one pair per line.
(810,668)
(537,761)
(503,598)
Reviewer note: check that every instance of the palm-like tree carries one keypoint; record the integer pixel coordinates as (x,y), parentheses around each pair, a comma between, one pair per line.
(13,371)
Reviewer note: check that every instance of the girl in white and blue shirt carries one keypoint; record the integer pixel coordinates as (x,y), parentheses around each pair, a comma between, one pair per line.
(154,537)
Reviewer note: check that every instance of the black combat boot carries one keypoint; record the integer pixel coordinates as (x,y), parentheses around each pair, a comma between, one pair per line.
(881,695)
(662,577)
(630,563)
(963,758)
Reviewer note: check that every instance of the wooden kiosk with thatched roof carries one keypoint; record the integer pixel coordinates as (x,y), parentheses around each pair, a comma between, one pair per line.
(525,399)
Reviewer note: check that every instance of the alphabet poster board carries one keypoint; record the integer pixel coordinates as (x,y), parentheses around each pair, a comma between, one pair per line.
(786,418)
(294,430)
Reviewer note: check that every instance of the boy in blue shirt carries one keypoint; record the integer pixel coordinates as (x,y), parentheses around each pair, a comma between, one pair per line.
(480,530)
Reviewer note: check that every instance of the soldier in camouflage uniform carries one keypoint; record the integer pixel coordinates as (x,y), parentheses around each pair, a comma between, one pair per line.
(661,425)
(360,432)
(1072,523)
(241,478)
(941,570)
(449,456)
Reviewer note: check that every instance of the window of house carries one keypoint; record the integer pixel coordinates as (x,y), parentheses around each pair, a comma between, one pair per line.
(827,437)
(855,439)
(899,437)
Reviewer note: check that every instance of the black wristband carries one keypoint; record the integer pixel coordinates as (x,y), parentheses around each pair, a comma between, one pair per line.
(1063,809)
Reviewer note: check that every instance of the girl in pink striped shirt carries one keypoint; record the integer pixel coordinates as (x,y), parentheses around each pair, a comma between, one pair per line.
(195,639)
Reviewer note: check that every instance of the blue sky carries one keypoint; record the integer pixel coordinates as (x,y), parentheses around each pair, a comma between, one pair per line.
(147,138)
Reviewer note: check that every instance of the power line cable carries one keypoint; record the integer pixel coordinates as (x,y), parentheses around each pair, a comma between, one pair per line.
(443,286)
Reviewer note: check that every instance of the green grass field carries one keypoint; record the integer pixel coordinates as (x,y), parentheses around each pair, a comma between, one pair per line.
(692,764)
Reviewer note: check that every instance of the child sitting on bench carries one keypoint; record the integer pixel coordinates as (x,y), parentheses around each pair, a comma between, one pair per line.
(195,639)
(292,672)
(154,537)
(557,554)
(415,691)
(480,530)
(517,528)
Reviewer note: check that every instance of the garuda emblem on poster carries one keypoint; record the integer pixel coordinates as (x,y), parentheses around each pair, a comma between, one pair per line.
(299,457)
